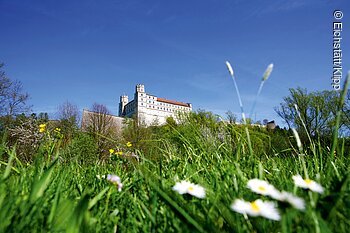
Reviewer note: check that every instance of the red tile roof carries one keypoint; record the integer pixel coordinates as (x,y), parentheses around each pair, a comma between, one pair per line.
(173,102)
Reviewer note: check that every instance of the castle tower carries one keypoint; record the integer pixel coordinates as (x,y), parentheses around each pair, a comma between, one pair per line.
(140,88)
(124,99)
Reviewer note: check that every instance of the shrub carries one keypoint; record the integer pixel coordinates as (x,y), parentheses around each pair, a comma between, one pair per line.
(83,149)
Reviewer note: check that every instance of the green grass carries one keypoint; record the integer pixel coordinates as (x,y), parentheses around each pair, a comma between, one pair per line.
(63,190)
(53,196)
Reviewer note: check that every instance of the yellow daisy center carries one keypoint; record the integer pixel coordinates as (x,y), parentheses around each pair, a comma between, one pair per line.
(254,206)
(308,181)
(262,188)
(190,188)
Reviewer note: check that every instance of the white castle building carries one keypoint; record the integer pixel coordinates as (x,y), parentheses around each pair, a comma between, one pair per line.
(150,109)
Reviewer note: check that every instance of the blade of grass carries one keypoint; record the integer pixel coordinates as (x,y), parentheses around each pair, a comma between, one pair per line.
(337,119)
(39,186)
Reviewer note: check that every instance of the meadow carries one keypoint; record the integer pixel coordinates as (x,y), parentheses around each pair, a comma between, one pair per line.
(200,175)
(60,193)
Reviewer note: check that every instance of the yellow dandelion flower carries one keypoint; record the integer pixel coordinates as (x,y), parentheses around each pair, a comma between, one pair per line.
(129,144)
(119,153)
(111,151)
(42,128)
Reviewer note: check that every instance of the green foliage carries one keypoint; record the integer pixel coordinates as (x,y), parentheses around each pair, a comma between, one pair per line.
(142,138)
(316,109)
(83,149)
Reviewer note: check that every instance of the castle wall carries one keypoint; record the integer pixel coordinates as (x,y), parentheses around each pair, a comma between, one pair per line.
(152,110)
(115,122)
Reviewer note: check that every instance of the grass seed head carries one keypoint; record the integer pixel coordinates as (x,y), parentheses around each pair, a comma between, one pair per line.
(297,138)
(229,67)
(267,72)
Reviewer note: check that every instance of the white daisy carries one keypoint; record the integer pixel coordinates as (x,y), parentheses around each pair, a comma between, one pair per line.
(264,188)
(256,208)
(296,202)
(307,184)
(115,180)
(192,189)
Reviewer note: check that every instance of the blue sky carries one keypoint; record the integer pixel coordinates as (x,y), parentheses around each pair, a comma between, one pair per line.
(94,51)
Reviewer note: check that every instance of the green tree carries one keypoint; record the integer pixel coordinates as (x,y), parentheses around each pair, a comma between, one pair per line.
(316,110)
(101,125)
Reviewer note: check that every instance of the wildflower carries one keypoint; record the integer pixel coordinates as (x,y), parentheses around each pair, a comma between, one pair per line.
(42,128)
(296,202)
(264,188)
(307,184)
(129,144)
(134,155)
(111,151)
(192,189)
(229,67)
(258,207)
(100,177)
(119,153)
(267,73)
(115,180)
(58,133)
